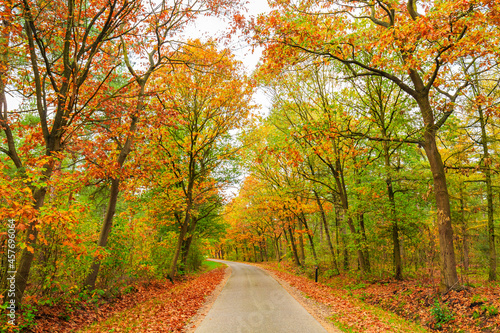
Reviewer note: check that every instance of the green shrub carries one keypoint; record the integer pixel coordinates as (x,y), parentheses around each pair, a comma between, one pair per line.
(441,314)
(195,257)
(489,310)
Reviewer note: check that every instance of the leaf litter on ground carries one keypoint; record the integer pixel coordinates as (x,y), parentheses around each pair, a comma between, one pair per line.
(399,306)
(151,307)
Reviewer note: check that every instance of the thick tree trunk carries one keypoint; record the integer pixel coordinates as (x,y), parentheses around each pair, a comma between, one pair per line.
(447,251)
(186,245)
(28,253)
(180,240)
(449,277)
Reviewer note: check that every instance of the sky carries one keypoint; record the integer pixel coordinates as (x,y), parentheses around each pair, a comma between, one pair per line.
(206,27)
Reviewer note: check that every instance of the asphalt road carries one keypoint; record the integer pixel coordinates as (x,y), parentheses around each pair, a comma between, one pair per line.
(252,301)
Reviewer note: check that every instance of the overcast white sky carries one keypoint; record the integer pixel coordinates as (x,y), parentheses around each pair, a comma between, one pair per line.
(207,27)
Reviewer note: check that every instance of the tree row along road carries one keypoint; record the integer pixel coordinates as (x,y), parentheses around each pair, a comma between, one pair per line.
(252,301)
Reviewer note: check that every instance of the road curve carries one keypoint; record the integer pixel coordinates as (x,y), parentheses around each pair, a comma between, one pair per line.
(253,302)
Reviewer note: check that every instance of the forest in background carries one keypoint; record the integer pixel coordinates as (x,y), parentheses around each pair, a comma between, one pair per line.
(379,157)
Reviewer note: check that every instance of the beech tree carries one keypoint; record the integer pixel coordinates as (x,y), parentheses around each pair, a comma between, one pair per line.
(483,98)
(383,104)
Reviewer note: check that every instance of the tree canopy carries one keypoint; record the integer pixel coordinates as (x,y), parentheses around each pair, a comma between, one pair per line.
(379,153)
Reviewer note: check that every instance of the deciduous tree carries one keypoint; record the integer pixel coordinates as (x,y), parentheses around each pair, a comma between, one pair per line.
(422,44)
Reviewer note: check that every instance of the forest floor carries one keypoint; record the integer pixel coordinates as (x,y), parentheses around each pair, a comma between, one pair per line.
(151,307)
(352,304)
(368,306)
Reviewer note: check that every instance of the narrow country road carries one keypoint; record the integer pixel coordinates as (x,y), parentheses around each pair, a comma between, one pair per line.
(252,301)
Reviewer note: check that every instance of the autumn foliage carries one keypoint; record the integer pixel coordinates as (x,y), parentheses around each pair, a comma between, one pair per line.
(130,151)
(94,145)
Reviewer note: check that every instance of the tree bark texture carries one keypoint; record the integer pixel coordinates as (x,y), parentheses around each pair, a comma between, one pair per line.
(449,277)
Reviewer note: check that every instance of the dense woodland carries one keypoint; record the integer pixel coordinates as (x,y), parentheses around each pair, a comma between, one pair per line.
(379,155)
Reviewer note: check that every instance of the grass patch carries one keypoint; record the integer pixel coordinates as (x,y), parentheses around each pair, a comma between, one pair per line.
(210,265)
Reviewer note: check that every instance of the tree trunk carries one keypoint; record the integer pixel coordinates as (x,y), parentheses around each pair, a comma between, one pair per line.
(186,245)
(284,247)
(449,277)
(327,231)
(309,236)
(465,242)
(115,188)
(396,247)
(294,248)
(262,252)
(364,245)
(28,253)
(342,232)
(301,242)
(492,273)
(266,250)
(104,235)
(346,251)
(180,240)
(344,201)
(277,245)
